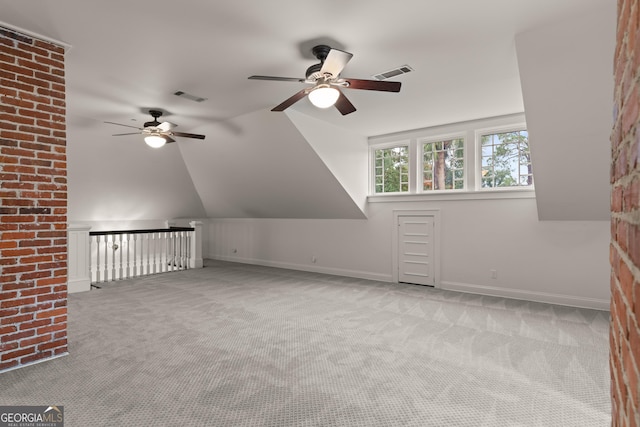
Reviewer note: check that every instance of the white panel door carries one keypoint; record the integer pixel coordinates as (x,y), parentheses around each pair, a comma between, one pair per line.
(415,250)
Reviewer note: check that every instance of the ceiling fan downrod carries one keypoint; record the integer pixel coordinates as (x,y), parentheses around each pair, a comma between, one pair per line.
(155,114)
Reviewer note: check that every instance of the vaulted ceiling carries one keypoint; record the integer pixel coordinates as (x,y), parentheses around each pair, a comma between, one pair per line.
(125,57)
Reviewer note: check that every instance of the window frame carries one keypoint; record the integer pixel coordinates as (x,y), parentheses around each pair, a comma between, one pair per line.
(471,132)
(479,133)
(372,166)
(440,138)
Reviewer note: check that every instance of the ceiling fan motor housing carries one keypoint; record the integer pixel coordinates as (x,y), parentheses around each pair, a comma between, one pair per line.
(155,114)
(313,72)
(320,51)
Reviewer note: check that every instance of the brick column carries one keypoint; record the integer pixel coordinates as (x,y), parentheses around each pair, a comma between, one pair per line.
(33,200)
(625,220)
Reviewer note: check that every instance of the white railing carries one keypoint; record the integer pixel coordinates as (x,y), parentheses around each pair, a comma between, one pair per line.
(117,255)
(106,256)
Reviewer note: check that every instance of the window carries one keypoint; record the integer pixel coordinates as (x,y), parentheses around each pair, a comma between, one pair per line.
(392,169)
(443,165)
(484,159)
(506,160)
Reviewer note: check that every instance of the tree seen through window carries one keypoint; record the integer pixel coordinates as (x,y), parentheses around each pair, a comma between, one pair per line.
(392,169)
(443,165)
(506,160)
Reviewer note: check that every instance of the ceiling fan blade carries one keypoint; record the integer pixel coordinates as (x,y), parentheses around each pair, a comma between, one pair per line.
(373,85)
(344,105)
(165,126)
(120,124)
(187,135)
(290,101)
(278,79)
(168,138)
(335,62)
(121,134)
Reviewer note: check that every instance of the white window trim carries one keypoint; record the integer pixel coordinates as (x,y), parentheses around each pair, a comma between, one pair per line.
(503,193)
(478,155)
(429,139)
(372,165)
(471,131)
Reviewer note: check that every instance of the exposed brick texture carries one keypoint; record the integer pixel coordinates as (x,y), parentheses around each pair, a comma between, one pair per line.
(625,220)
(33,200)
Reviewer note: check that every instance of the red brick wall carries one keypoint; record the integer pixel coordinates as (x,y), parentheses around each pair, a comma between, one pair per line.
(33,200)
(625,220)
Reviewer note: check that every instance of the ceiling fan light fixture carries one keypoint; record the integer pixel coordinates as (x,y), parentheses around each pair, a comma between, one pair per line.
(155,140)
(324,96)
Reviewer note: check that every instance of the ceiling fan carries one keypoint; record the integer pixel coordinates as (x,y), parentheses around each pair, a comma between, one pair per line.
(157,134)
(326,81)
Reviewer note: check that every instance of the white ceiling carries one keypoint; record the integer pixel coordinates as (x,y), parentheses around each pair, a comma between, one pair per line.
(126,56)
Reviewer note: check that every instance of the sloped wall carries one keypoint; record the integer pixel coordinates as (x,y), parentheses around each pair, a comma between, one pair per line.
(345,153)
(121,183)
(259,165)
(565,72)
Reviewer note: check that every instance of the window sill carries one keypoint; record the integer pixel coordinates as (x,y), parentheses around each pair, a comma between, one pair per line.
(507,193)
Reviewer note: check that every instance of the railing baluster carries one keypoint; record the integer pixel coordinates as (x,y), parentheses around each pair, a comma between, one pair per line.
(165,253)
(148,269)
(143,238)
(176,249)
(105,267)
(113,258)
(98,258)
(179,250)
(135,256)
(155,251)
(120,248)
(167,243)
(172,250)
(151,253)
(188,249)
(183,250)
(126,241)
(106,256)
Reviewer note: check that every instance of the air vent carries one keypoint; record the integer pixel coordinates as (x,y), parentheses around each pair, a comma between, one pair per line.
(188,96)
(403,69)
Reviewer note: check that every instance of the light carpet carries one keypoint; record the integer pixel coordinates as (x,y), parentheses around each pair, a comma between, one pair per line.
(241,345)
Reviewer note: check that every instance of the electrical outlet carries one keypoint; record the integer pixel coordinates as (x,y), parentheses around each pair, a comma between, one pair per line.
(494,274)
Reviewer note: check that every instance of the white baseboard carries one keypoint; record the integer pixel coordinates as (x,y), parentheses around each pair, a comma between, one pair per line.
(48,359)
(78,285)
(310,268)
(196,263)
(560,299)
(569,300)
